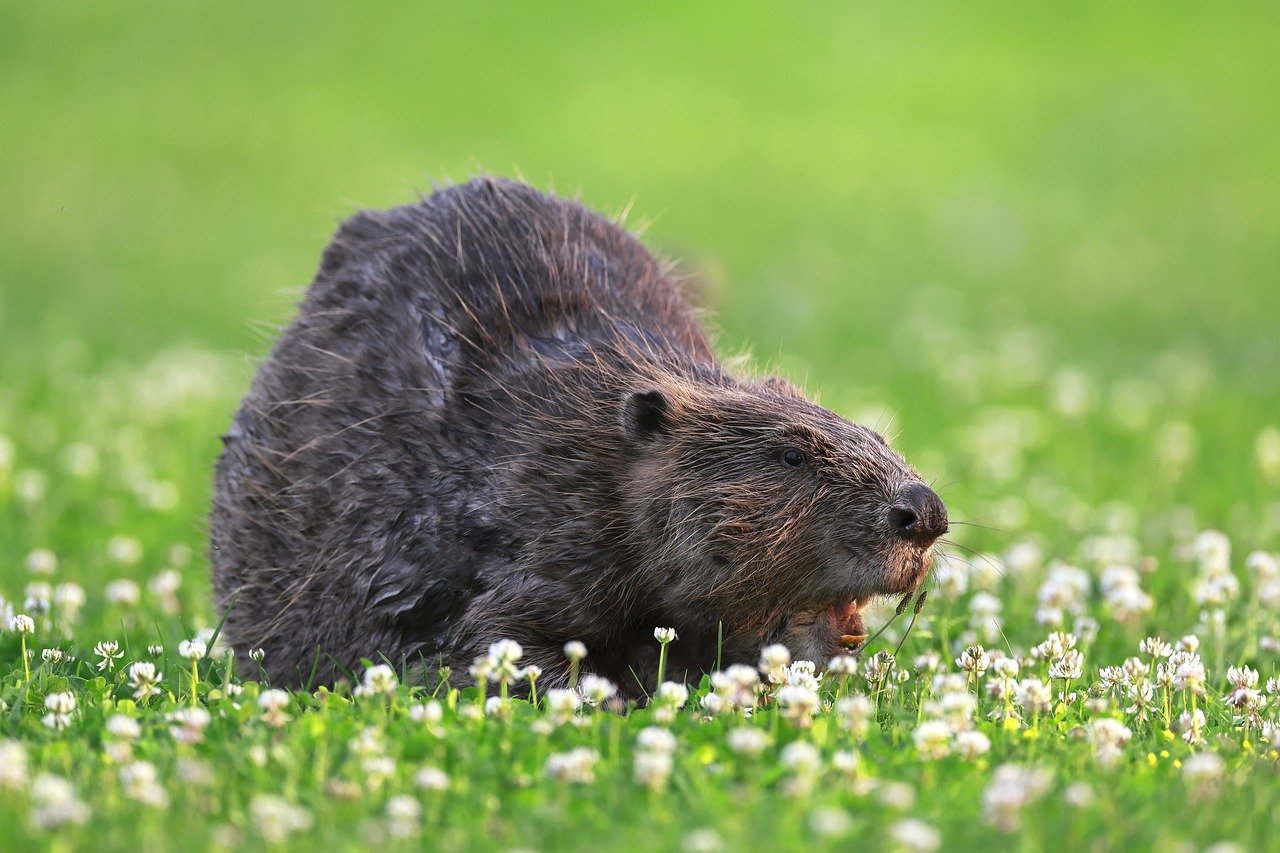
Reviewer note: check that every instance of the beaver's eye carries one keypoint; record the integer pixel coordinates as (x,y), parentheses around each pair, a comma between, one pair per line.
(791,457)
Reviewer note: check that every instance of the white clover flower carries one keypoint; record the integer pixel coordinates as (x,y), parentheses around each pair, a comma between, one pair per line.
(672,694)
(562,704)
(378,679)
(843,665)
(1191,726)
(256,655)
(974,660)
(702,840)
(577,766)
(123,593)
(951,574)
(367,743)
(189,724)
(955,708)
(1213,552)
(1267,450)
(665,635)
(109,651)
(1142,697)
(737,685)
(1135,669)
(273,702)
(38,597)
(1012,788)
(125,550)
(69,598)
(60,707)
(193,649)
(915,836)
(971,744)
(846,761)
(164,586)
(596,688)
(432,779)
(1263,566)
(139,781)
(897,795)
(712,704)
(932,739)
(1078,795)
(748,741)
(404,816)
(144,678)
(377,768)
(652,769)
(1069,666)
(480,670)
(13,765)
(830,822)
(1055,646)
(1203,773)
(23,624)
(505,651)
(985,573)
(802,673)
(1155,647)
(774,658)
(428,714)
(1005,667)
(52,655)
(1188,672)
(122,727)
(801,758)
(798,703)
(42,561)
(854,715)
(656,739)
(54,803)
(1034,695)
(276,818)
(928,661)
(575,651)
(1108,737)
(879,668)
(1242,676)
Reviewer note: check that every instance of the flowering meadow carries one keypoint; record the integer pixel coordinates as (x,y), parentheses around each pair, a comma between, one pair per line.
(1078,673)
(1036,250)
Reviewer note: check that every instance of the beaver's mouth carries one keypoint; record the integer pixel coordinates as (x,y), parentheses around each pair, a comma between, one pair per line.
(846,619)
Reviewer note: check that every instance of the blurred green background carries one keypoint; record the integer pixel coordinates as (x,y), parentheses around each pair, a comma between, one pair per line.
(880,195)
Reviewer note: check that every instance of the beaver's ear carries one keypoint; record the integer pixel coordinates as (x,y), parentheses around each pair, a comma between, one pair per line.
(646,416)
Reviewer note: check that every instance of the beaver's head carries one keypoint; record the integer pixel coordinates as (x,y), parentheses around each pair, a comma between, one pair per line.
(771,514)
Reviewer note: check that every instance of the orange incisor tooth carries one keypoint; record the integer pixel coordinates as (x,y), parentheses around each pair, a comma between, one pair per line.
(852,639)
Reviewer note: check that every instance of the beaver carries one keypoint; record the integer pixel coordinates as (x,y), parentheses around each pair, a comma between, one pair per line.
(496,415)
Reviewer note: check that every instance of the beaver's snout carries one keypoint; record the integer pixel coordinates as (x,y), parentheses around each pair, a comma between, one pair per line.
(920,516)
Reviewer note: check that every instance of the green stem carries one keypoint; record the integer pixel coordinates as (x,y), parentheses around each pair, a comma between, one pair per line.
(662,663)
(26,665)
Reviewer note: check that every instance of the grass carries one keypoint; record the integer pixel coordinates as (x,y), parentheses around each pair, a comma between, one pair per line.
(1038,249)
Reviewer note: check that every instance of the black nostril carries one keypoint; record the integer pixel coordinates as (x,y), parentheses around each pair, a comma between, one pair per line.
(902,520)
(920,515)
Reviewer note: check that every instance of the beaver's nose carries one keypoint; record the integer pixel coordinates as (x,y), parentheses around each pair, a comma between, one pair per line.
(920,516)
